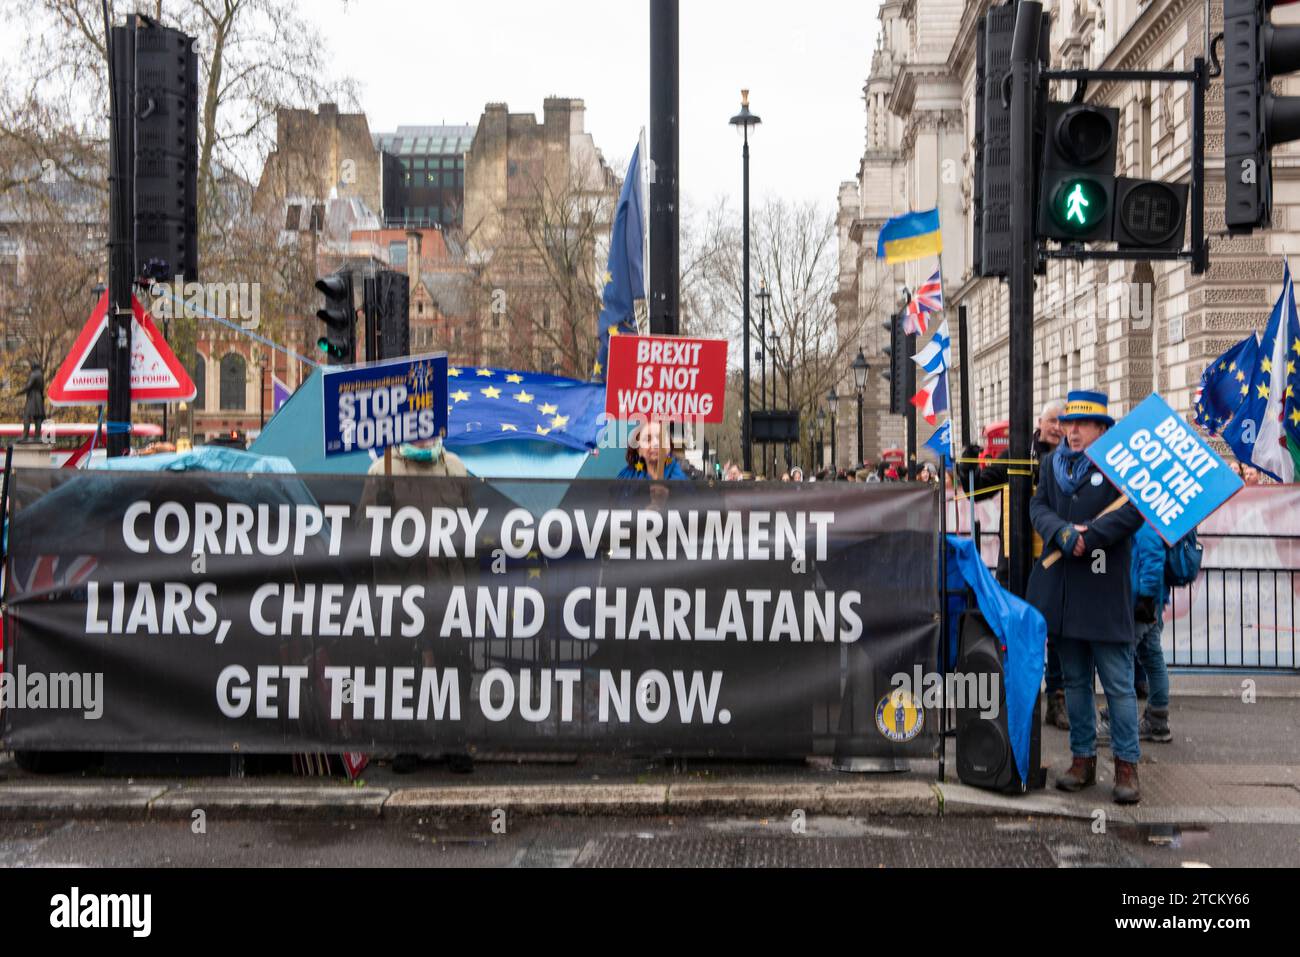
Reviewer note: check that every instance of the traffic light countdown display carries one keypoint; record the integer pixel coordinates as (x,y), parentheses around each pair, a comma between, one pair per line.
(1254,120)
(339,344)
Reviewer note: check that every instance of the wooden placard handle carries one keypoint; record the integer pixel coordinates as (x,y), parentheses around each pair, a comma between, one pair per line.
(1114,506)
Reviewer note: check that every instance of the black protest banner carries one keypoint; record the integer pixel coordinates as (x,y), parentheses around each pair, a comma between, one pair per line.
(205,612)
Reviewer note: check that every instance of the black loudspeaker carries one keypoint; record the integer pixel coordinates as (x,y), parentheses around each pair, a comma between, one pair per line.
(984,758)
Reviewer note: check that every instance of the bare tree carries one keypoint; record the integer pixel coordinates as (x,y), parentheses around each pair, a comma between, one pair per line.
(793,248)
(544,267)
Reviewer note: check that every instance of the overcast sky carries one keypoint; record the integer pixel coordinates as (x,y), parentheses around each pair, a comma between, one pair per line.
(420,62)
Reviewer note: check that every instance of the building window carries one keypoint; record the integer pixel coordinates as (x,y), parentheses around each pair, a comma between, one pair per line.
(317,218)
(200,382)
(292,217)
(397,254)
(234,379)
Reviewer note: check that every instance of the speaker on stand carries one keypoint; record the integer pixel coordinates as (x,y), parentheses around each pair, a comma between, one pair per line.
(984,756)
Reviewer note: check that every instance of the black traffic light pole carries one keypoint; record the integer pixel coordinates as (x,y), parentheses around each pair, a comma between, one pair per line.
(121,246)
(1020,284)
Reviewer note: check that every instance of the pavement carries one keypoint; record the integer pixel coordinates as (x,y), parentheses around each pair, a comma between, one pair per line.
(1234,760)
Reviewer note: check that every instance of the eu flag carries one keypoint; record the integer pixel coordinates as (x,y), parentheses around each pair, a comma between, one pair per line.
(625,277)
(489,404)
(1224,383)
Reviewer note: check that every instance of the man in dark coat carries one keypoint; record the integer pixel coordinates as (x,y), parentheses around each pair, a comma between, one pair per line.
(1086,595)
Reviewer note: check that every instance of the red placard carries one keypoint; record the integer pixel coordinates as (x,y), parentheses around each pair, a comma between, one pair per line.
(666,378)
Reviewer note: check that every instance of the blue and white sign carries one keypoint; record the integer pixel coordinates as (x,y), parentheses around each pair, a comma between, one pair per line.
(369,408)
(1167,470)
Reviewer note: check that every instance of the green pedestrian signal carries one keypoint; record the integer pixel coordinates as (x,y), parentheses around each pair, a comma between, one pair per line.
(1079,205)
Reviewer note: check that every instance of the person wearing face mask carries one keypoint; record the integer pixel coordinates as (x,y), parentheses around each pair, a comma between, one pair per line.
(428,458)
(1085,594)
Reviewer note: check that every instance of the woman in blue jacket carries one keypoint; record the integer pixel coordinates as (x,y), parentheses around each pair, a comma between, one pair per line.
(644,457)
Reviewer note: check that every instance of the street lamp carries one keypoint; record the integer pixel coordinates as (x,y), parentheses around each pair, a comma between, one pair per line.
(763,297)
(743,121)
(860,371)
(821,437)
(833,401)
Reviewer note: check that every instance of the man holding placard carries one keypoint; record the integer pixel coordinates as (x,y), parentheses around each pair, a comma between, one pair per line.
(1082,587)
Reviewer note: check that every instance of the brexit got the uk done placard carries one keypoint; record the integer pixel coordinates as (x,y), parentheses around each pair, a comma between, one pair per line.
(1165,468)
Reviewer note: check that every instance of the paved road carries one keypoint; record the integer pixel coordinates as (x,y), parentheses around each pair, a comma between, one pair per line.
(647,842)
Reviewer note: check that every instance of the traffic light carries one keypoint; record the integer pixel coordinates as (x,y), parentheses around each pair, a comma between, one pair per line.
(1254,120)
(339,344)
(896,374)
(393,299)
(1077,193)
(991,190)
(166,153)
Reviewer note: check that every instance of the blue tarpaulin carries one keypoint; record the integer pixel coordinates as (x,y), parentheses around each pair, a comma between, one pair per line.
(1021,630)
(206,458)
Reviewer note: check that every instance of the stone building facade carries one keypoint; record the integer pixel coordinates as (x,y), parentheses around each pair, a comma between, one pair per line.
(1126,328)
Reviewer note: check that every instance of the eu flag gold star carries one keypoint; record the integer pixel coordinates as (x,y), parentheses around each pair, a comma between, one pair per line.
(1296,347)
(1290,367)
(491,392)
(1263,391)
(559,422)
(515,379)
(613,330)
(460,395)
(484,373)
(1295,417)
(542,431)
(524,397)
(595,370)
(548,409)
(534,573)
(1266,365)
(1222,366)
(1245,390)
(506,427)
(454,373)
(1241,377)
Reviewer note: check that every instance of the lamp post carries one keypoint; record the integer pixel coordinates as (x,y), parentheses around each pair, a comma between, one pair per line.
(743,121)
(763,297)
(860,371)
(833,401)
(821,437)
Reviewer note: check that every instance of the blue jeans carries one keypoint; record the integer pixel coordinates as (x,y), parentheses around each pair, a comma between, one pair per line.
(1113,663)
(1151,658)
(1055,679)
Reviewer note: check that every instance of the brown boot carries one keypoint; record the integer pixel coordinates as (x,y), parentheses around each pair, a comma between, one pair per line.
(1082,774)
(1056,712)
(1126,783)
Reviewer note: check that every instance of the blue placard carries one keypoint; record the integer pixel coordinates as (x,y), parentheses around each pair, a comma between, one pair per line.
(371,407)
(1165,467)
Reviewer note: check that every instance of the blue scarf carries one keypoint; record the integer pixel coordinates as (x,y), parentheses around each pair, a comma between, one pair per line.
(1069,467)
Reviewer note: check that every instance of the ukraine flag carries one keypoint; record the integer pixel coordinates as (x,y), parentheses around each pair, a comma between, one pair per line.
(910,236)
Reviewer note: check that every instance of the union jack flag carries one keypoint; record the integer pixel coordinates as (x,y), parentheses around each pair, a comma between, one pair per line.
(926,299)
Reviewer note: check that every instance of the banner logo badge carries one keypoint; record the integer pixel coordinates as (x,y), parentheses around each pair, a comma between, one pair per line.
(899,716)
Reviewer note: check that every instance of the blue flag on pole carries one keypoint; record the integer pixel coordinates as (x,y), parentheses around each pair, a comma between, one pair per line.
(1224,385)
(625,277)
(941,442)
(489,405)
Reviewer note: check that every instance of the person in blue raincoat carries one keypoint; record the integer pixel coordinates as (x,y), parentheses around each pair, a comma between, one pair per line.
(1086,595)
(1150,594)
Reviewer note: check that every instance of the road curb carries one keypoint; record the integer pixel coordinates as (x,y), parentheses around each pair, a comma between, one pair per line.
(52,802)
(268,802)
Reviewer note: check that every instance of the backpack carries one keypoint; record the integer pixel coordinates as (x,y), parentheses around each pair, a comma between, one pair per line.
(1183,561)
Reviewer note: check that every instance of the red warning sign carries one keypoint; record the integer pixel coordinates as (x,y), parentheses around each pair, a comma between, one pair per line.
(156,374)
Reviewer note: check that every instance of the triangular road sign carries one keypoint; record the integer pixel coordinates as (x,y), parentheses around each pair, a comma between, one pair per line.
(156,373)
